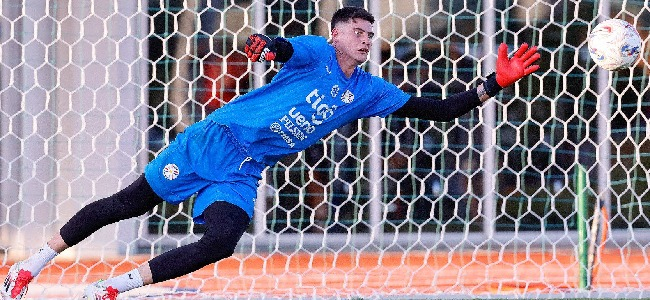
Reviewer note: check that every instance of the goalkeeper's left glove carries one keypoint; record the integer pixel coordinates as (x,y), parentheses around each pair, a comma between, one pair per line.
(260,48)
(509,70)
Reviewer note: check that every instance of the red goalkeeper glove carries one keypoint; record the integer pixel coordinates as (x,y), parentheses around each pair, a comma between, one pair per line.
(259,48)
(509,70)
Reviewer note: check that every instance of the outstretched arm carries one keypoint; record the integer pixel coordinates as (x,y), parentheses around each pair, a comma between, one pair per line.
(448,109)
(260,48)
(509,71)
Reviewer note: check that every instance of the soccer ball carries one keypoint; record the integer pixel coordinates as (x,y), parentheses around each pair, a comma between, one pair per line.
(614,45)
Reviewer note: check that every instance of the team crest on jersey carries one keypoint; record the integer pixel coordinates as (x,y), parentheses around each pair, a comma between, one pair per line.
(347,97)
(335,91)
(170,171)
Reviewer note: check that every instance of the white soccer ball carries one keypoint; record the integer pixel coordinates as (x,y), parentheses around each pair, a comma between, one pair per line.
(614,44)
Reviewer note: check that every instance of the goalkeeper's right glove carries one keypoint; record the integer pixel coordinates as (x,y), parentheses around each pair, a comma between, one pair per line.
(260,48)
(509,70)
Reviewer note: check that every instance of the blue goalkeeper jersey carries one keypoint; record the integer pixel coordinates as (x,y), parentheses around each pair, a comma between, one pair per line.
(308,98)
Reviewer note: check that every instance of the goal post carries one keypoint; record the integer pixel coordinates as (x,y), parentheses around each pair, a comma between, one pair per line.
(496,203)
(584,279)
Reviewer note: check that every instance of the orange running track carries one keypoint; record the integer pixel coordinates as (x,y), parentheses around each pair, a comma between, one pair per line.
(375,274)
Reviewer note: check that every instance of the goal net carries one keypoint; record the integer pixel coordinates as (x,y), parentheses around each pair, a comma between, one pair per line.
(541,191)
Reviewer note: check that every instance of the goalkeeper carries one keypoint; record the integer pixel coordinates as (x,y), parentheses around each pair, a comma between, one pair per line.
(220,159)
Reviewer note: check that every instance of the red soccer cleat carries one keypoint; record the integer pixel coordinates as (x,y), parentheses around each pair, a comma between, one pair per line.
(15,285)
(99,291)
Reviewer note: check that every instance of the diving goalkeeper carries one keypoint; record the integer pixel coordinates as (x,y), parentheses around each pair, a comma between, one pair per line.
(221,158)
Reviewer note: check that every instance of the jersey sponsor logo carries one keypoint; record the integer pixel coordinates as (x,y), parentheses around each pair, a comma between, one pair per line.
(277,128)
(323,111)
(291,127)
(301,120)
(171,171)
(297,125)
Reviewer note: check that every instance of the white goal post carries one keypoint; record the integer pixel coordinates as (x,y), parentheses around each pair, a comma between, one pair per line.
(91,91)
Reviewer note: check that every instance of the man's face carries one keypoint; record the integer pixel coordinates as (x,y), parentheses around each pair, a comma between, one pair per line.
(352,40)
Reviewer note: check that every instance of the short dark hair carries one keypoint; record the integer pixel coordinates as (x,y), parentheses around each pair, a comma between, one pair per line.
(350,12)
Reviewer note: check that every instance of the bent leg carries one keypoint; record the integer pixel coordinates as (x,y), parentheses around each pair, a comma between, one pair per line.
(225,225)
(135,200)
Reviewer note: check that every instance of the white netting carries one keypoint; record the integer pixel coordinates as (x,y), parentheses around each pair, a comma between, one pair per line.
(488,204)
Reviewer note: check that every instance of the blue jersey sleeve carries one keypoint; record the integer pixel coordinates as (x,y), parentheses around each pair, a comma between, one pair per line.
(387,98)
(308,50)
